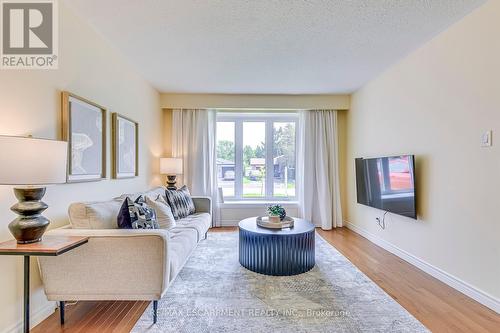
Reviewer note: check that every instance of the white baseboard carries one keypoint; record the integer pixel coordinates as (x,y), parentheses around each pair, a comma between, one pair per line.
(36,318)
(229,223)
(454,282)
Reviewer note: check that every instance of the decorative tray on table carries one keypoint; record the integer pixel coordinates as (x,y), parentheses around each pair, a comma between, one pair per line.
(263,221)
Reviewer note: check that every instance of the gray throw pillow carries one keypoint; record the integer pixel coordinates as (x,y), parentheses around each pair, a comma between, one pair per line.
(180,202)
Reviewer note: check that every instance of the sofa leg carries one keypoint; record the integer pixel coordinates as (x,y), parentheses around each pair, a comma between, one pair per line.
(155,312)
(206,235)
(61,311)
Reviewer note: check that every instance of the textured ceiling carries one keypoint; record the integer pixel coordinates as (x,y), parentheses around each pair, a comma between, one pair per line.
(267,46)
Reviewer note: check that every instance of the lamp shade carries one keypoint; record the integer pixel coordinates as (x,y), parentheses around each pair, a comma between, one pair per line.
(171,166)
(28,161)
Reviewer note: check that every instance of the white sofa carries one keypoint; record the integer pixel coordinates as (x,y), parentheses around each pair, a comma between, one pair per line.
(120,264)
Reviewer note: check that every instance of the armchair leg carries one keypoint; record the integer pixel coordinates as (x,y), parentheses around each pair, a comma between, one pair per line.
(61,311)
(155,312)
(206,235)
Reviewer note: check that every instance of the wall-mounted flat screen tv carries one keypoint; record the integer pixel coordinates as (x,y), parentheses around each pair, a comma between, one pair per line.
(387,183)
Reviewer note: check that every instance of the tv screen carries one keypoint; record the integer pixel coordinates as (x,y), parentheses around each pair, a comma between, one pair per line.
(387,183)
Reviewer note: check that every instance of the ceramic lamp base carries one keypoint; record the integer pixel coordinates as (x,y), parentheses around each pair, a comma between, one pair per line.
(30,225)
(171,181)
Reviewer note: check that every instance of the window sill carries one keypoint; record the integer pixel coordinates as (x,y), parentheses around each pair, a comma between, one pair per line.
(257,203)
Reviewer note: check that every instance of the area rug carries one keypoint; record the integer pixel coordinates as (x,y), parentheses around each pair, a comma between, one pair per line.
(213,293)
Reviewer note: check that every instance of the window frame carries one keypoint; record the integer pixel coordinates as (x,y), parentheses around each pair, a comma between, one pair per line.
(269,119)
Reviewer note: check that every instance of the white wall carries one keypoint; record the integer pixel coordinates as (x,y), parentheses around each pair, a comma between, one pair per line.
(436,104)
(30,104)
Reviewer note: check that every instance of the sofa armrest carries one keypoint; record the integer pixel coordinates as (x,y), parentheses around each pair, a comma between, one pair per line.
(202,204)
(115,264)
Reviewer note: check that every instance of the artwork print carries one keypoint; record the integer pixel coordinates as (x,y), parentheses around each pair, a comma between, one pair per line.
(125,147)
(84,127)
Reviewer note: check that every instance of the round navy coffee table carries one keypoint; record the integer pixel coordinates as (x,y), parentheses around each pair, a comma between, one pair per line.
(277,252)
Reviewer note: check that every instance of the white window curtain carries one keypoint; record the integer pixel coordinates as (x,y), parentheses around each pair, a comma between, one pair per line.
(318,170)
(193,140)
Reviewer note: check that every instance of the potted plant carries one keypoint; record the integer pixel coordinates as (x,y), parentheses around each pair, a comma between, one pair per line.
(276,213)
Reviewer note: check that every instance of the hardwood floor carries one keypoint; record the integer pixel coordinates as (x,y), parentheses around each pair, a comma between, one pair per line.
(109,316)
(438,306)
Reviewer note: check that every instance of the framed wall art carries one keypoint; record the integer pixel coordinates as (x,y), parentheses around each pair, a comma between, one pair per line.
(84,128)
(125,146)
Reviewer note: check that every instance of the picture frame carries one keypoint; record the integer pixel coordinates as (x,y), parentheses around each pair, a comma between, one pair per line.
(125,147)
(84,126)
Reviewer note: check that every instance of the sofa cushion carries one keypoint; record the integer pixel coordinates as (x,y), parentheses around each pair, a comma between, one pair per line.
(182,242)
(199,222)
(94,215)
(164,214)
(180,201)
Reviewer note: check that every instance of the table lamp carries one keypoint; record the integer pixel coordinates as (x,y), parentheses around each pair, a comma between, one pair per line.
(171,167)
(29,164)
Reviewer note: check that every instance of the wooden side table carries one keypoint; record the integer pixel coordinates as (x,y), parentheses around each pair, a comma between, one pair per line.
(49,246)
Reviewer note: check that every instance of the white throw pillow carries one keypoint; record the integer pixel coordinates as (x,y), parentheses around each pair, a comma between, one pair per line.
(164,215)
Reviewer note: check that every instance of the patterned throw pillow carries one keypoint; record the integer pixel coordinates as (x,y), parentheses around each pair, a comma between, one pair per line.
(180,202)
(163,211)
(136,215)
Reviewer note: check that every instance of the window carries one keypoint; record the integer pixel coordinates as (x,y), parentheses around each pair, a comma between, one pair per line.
(256,155)
(254,159)
(284,159)
(225,157)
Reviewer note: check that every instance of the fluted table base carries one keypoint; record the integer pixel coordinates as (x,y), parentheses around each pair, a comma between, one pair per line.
(275,253)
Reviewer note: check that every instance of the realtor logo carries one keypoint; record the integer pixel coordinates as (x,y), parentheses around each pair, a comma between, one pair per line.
(29,34)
